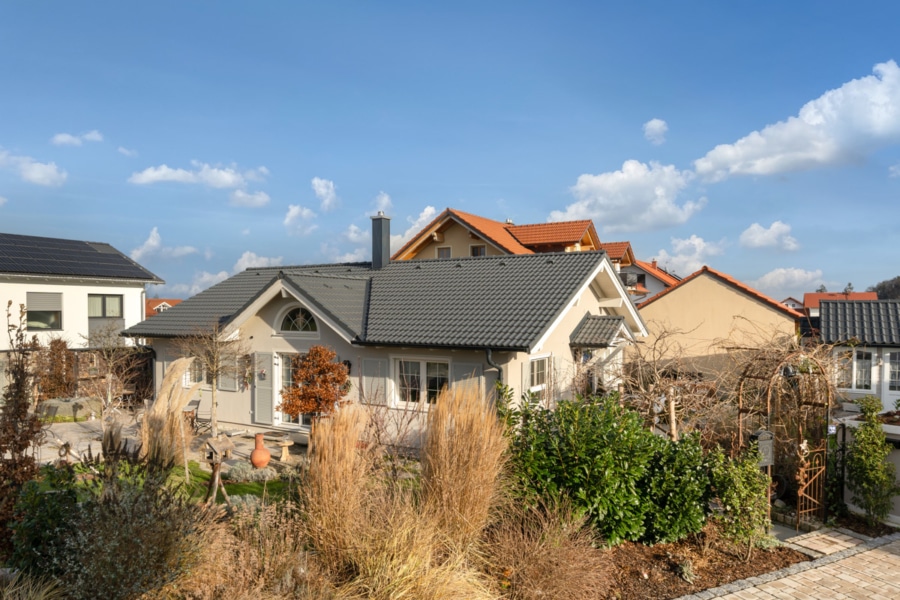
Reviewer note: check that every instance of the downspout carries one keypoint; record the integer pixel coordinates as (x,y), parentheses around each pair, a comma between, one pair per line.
(488,356)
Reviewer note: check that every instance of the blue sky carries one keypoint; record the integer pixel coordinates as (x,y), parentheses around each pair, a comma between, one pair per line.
(762,139)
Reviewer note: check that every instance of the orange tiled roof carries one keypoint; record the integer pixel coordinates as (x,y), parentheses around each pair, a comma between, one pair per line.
(152,303)
(812,299)
(740,286)
(562,232)
(652,269)
(616,250)
(495,231)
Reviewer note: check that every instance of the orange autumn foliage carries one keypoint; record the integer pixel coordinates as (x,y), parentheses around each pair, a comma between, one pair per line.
(318,383)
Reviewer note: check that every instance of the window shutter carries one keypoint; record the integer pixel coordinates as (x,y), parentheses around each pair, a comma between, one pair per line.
(51,301)
(263,399)
(464,374)
(228,380)
(373,375)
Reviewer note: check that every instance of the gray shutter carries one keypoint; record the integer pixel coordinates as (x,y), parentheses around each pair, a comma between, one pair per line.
(464,374)
(51,301)
(263,399)
(373,381)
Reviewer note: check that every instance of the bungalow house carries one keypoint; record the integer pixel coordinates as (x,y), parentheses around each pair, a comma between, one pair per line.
(406,329)
(454,234)
(709,314)
(811,303)
(69,288)
(866,334)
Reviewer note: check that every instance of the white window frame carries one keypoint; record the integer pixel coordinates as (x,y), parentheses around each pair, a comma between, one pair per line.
(437,252)
(532,361)
(304,335)
(893,384)
(423,361)
(854,364)
(281,419)
(196,367)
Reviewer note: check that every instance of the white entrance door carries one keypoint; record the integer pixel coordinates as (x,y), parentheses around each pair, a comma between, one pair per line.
(890,392)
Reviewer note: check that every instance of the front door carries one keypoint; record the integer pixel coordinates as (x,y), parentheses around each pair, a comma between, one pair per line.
(890,392)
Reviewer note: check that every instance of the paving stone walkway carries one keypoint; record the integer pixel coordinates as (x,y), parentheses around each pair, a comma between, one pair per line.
(845,566)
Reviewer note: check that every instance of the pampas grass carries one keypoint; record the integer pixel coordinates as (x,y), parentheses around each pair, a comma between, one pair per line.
(164,438)
(462,461)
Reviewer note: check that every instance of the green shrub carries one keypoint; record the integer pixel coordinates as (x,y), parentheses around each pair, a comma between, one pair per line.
(591,450)
(870,477)
(677,488)
(743,492)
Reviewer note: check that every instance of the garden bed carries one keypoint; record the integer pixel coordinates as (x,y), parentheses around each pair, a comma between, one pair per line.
(655,572)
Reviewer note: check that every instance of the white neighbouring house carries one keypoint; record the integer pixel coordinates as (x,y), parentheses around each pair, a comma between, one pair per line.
(69,288)
(407,329)
(866,334)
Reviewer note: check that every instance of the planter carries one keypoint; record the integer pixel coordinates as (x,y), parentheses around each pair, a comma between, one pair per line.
(260,456)
(850,407)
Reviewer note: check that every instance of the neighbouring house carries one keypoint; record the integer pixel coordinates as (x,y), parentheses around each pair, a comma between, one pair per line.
(707,315)
(866,335)
(454,234)
(158,305)
(792,302)
(647,279)
(812,301)
(551,324)
(69,288)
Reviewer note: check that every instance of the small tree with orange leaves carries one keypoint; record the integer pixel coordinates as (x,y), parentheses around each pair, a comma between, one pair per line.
(317,384)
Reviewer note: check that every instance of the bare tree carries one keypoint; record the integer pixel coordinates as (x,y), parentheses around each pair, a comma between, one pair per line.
(118,366)
(219,352)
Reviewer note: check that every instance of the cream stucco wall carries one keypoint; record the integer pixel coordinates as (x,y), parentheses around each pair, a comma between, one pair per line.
(457,238)
(705,316)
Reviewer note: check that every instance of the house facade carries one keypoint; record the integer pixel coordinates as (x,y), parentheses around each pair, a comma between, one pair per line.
(709,314)
(70,288)
(407,329)
(647,279)
(866,338)
(455,234)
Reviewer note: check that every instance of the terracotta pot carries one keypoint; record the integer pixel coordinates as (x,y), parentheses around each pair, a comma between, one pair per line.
(260,456)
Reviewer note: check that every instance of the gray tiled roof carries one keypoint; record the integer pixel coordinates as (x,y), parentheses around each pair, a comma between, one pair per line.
(870,322)
(596,331)
(502,302)
(31,255)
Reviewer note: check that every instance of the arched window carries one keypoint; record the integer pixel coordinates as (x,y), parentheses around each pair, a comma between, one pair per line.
(299,319)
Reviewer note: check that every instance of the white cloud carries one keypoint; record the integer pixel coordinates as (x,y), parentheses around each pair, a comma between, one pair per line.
(202,173)
(360,254)
(655,131)
(357,235)
(894,170)
(840,126)
(252,199)
(250,260)
(67,139)
(245,231)
(689,255)
(33,171)
(638,197)
(778,235)
(383,203)
(416,224)
(326,193)
(782,282)
(299,219)
(152,246)
(125,151)
(3,200)
(203,280)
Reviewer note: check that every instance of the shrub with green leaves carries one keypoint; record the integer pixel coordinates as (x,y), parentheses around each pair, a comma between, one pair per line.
(871,478)
(677,488)
(591,450)
(743,492)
